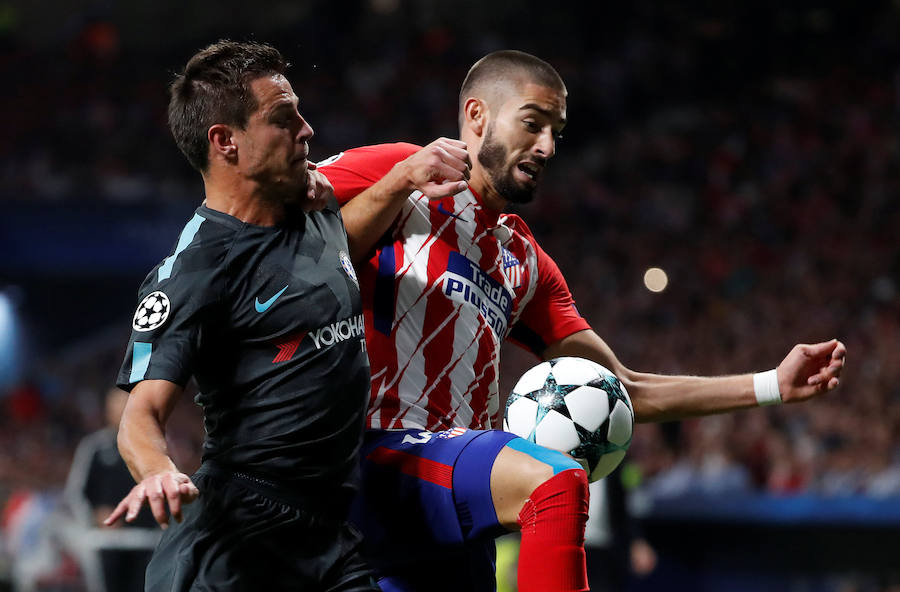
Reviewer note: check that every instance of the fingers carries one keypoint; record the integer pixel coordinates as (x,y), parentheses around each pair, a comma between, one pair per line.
(156,497)
(165,493)
(179,490)
(117,513)
(839,352)
(441,168)
(828,375)
(318,189)
(457,154)
(833,348)
(437,190)
(173,496)
(189,492)
(456,157)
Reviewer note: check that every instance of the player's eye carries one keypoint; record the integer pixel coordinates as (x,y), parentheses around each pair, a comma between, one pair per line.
(531,126)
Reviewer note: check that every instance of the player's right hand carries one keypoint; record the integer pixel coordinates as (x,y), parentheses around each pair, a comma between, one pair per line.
(169,488)
(318,190)
(810,370)
(439,169)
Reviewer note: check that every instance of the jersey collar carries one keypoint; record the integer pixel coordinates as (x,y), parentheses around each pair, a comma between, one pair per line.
(486,216)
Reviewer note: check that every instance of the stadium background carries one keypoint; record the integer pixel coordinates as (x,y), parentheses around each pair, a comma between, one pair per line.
(748,149)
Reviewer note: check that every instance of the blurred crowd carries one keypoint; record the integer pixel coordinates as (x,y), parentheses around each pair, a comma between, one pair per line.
(753,155)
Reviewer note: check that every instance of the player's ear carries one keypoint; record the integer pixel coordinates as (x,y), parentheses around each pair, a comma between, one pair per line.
(222,141)
(475,115)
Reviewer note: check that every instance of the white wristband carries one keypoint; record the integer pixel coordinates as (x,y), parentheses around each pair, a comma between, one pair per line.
(765,386)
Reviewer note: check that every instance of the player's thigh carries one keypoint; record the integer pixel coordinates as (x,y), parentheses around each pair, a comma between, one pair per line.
(427,488)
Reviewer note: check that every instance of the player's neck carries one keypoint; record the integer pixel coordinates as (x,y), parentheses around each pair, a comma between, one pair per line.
(240,199)
(484,189)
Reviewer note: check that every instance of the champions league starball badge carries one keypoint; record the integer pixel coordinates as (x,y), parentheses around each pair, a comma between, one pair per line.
(152,312)
(348,266)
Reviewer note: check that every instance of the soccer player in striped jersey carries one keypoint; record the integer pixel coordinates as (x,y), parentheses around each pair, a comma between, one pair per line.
(447,277)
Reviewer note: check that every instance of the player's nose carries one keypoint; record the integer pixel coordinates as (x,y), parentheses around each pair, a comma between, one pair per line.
(545,145)
(306,132)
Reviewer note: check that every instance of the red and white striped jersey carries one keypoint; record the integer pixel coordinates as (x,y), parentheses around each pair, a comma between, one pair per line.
(448,283)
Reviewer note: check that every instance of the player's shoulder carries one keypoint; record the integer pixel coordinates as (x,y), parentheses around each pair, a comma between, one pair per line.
(355,170)
(517,225)
(199,250)
(390,152)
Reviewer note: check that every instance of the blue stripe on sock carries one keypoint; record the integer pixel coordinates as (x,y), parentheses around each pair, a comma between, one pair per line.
(559,461)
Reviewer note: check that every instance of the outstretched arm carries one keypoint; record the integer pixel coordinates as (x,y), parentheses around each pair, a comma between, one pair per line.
(142,443)
(437,170)
(807,371)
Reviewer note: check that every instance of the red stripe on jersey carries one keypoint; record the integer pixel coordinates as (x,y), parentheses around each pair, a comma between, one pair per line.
(414,466)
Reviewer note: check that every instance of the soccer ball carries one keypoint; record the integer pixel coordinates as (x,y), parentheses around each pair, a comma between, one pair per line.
(575,406)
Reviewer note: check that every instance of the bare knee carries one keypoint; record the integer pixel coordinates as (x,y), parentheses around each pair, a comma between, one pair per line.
(514,476)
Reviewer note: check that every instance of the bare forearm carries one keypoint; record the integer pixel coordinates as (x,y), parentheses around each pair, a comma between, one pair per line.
(806,372)
(658,397)
(142,444)
(142,437)
(437,170)
(661,398)
(369,215)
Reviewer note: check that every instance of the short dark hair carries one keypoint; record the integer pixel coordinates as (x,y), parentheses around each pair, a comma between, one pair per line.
(215,88)
(507,65)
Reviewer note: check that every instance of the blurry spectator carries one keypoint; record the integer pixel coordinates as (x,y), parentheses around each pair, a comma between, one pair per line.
(708,466)
(614,543)
(790,469)
(97,480)
(35,556)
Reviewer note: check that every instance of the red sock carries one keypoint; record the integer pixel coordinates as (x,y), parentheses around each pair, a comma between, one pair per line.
(551,556)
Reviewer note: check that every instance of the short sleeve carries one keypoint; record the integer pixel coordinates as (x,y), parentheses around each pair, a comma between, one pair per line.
(551,314)
(353,171)
(176,304)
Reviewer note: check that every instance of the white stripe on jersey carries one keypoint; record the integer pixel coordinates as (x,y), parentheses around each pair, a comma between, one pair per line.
(465,345)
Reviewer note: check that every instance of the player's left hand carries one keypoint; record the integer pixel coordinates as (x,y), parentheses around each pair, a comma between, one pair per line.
(318,190)
(809,370)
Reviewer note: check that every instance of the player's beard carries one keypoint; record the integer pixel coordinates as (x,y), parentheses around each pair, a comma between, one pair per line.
(494,157)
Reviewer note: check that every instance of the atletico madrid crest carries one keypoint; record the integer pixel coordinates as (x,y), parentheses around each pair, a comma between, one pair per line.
(512,268)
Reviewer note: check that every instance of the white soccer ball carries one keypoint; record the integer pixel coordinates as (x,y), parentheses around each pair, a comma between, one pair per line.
(575,406)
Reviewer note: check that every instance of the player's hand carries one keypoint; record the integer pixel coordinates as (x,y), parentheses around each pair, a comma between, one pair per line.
(318,190)
(809,370)
(165,492)
(439,169)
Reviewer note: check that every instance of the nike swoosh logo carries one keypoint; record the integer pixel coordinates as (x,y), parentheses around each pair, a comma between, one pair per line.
(441,209)
(264,306)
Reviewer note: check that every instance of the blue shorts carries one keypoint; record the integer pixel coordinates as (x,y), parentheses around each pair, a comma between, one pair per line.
(425,508)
